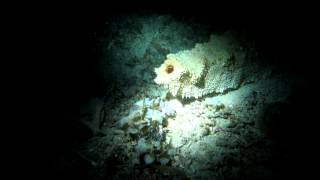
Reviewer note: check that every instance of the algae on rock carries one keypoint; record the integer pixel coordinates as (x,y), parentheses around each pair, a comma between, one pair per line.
(213,67)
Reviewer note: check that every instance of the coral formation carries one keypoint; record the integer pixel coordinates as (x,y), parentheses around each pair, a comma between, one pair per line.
(142,132)
(213,67)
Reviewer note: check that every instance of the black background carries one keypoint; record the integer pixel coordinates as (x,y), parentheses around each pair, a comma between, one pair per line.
(65,38)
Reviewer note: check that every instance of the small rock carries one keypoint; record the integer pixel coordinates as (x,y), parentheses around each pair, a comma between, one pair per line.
(219,107)
(154,115)
(169,108)
(148,159)
(146,102)
(157,145)
(223,123)
(132,130)
(128,120)
(164,96)
(171,152)
(156,102)
(143,146)
(142,125)
(205,131)
(215,102)
(118,131)
(164,160)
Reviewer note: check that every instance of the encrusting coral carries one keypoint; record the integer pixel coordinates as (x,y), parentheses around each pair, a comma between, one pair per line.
(213,67)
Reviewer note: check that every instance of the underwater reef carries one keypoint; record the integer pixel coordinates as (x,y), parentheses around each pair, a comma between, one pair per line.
(183,101)
(212,67)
